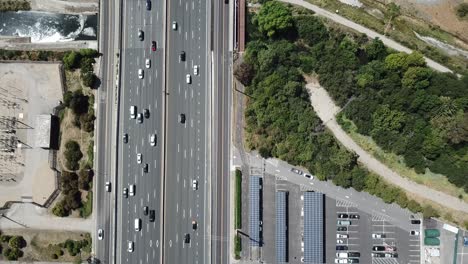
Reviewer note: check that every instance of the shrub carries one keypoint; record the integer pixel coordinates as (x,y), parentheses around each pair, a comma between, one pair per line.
(244,72)
(462,10)
(72,155)
(79,103)
(60,210)
(5,238)
(88,78)
(54,256)
(12,253)
(84,180)
(87,122)
(71,60)
(17,242)
(87,208)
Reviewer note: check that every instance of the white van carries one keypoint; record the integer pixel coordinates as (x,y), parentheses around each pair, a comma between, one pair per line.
(133,111)
(132,189)
(137,224)
(130,246)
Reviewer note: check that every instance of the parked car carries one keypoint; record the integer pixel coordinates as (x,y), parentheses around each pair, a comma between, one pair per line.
(342,228)
(354,254)
(341,247)
(307,175)
(465,241)
(353,260)
(299,172)
(339,241)
(342,216)
(414,233)
(391,255)
(342,235)
(378,248)
(354,216)
(376,235)
(341,260)
(415,222)
(378,255)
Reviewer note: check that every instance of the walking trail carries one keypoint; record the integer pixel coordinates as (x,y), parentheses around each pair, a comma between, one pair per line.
(370,33)
(27,215)
(326,110)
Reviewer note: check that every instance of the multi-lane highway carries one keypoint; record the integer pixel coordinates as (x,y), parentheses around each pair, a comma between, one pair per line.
(186,155)
(145,92)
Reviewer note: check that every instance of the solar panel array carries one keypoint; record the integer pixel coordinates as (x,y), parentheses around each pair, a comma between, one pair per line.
(281,201)
(254,216)
(313,227)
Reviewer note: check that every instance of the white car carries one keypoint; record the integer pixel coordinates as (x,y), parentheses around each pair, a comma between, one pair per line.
(188,79)
(139,158)
(153,140)
(308,176)
(341,261)
(195,70)
(100,234)
(108,186)
(140,73)
(378,235)
(148,63)
(130,246)
(140,118)
(341,235)
(194,184)
(339,241)
(414,233)
(174,25)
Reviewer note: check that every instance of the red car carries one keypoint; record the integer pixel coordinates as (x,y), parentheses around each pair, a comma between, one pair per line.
(153,45)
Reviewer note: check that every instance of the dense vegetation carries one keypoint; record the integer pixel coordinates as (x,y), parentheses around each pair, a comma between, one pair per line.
(11,246)
(14,5)
(280,121)
(72,185)
(462,10)
(84,59)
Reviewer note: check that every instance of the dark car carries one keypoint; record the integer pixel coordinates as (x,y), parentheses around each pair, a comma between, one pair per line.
(353,260)
(187,238)
(182,118)
(153,45)
(125,138)
(378,248)
(145,168)
(342,216)
(182,56)
(148,4)
(194,224)
(151,215)
(416,222)
(146,113)
(141,35)
(145,210)
(354,254)
(378,255)
(465,241)
(354,216)
(342,228)
(341,247)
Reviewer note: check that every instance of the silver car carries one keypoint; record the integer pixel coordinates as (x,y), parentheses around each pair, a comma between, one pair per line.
(139,158)
(153,140)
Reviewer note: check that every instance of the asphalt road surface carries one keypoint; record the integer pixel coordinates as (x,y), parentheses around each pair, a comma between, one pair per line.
(144,93)
(221,138)
(186,151)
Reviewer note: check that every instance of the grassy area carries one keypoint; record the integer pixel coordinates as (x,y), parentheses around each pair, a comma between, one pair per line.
(237,246)
(238,198)
(396,163)
(87,208)
(373,16)
(14,5)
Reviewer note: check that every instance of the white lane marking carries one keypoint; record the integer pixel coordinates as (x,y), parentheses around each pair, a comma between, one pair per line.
(178,150)
(177,208)
(185,94)
(185,153)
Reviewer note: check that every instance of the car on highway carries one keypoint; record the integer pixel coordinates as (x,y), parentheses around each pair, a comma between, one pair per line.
(187,238)
(354,254)
(141,35)
(194,225)
(137,224)
(140,73)
(148,4)
(465,241)
(145,210)
(378,255)
(195,70)
(125,138)
(139,118)
(174,25)
(342,235)
(182,56)
(130,246)
(139,158)
(152,215)
(414,233)
(342,228)
(132,190)
(146,113)
(188,79)
(153,45)
(100,234)
(153,140)
(342,216)
(148,63)
(125,192)
(377,235)
(299,172)
(194,185)
(182,118)
(341,248)
(354,216)
(133,110)
(108,187)
(145,168)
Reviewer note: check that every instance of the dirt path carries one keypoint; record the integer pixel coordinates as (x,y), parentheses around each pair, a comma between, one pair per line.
(326,110)
(370,33)
(66,6)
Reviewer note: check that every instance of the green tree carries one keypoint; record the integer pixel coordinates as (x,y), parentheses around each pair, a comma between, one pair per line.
(274,18)
(72,155)
(459,132)
(87,122)
(417,78)
(17,242)
(401,61)
(244,73)
(311,29)
(385,119)
(89,78)
(376,50)
(462,10)
(71,60)
(60,210)
(79,102)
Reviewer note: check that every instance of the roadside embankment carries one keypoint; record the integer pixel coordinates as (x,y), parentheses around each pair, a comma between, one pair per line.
(83,7)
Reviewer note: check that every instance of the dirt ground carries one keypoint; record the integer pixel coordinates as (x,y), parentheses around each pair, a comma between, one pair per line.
(37,242)
(437,12)
(66,6)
